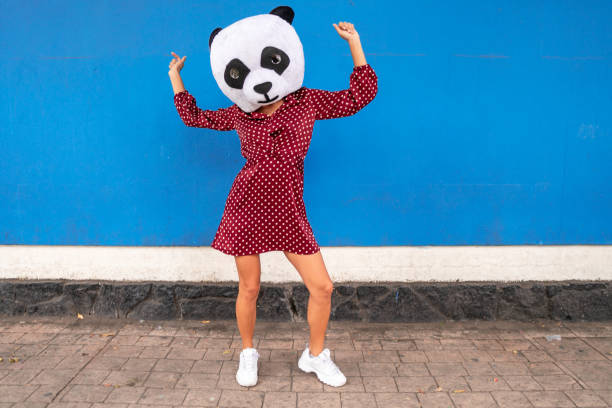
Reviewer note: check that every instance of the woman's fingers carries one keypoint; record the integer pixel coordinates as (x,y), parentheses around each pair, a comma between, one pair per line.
(176,60)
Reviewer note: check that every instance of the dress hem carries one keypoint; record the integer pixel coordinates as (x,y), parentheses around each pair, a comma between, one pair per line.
(264,251)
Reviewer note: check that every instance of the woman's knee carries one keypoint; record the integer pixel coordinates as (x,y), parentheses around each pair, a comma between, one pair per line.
(322,290)
(248,291)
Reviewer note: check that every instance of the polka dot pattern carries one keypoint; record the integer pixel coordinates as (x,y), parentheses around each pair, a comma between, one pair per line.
(265,209)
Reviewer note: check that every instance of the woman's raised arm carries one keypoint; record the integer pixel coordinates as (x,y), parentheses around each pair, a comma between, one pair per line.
(185,103)
(363,83)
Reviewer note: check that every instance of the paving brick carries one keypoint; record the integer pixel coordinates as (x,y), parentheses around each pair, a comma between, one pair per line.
(275,368)
(548,399)
(557,382)
(377,369)
(486,383)
(510,367)
(380,356)
(435,399)
(586,398)
(162,396)
(522,383)
(544,368)
(75,362)
(510,399)
(348,355)
(154,352)
(214,343)
(154,341)
(126,378)
(379,384)
(307,383)
(45,393)
(88,376)
(230,398)
(53,377)
(197,380)
(440,368)
(280,400)
(451,383)
(15,393)
(202,398)
(397,400)
(412,356)
(19,377)
(357,400)
(318,400)
(206,366)
(113,350)
(473,400)
(416,384)
(269,383)
(409,369)
(86,393)
(125,395)
(106,363)
(162,379)
(177,366)
(219,354)
(595,374)
(185,353)
(276,344)
(283,355)
(444,356)
(185,341)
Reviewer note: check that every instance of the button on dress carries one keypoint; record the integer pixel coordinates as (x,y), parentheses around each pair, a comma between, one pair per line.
(265,210)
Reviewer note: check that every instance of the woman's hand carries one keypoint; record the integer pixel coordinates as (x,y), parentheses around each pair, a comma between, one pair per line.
(346,30)
(176,64)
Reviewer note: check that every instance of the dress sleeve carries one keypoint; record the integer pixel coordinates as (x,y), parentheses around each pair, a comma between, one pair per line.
(336,104)
(220,119)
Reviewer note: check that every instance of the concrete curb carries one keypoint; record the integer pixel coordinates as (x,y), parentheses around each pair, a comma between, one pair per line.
(381,302)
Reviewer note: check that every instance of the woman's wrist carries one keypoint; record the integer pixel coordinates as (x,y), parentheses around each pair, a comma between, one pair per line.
(357,51)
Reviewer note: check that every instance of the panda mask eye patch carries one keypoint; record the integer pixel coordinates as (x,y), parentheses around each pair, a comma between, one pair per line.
(274,59)
(235,73)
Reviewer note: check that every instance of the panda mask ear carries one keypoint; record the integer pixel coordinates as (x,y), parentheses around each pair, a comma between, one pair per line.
(284,12)
(212,35)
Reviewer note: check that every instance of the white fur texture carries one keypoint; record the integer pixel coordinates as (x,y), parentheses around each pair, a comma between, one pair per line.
(245,40)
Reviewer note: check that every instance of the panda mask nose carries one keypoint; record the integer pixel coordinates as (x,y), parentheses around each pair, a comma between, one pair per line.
(263,88)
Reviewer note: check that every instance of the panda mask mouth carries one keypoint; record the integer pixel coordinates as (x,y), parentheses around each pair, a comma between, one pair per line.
(268,99)
(258,60)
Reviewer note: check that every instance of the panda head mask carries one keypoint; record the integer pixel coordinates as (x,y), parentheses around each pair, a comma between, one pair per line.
(258,60)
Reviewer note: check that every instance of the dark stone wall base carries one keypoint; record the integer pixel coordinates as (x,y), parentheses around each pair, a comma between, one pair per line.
(380,302)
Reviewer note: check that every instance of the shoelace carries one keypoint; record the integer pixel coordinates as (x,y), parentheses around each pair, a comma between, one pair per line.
(327,361)
(249,360)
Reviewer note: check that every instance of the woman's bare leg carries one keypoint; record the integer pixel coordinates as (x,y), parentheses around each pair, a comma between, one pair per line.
(249,272)
(314,274)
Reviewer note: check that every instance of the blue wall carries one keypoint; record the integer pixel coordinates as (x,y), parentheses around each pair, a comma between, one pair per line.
(492,124)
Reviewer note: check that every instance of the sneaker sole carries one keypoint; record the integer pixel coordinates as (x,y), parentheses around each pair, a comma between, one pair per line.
(306,369)
(246,385)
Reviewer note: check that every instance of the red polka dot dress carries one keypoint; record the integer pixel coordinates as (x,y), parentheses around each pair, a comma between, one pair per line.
(265,209)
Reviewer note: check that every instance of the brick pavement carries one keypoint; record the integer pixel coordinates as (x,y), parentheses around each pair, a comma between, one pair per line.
(93,362)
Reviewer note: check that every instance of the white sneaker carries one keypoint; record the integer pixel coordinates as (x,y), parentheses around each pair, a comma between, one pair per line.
(247,369)
(323,366)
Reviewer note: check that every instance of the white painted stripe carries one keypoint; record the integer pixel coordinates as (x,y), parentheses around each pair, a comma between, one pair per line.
(355,264)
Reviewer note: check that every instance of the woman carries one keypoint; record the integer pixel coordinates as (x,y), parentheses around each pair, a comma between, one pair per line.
(265,209)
